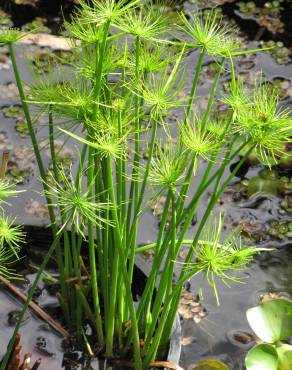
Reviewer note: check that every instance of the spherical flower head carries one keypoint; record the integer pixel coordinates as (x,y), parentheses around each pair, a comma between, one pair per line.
(152,59)
(147,23)
(84,31)
(7,257)
(161,93)
(238,96)
(70,101)
(267,126)
(7,190)
(105,11)
(10,35)
(167,166)
(198,139)
(10,235)
(220,258)
(209,33)
(77,207)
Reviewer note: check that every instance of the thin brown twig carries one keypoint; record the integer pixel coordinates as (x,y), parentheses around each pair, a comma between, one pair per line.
(40,312)
(3,167)
(131,364)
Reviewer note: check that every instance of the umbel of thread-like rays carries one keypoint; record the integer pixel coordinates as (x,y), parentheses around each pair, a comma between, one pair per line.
(264,123)
(106,144)
(11,235)
(102,12)
(152,58)
(71,100)
(7,190)
(7,257)
(160,93)
(147,23)
(209,33)
(10,35)
(220,258)
(168,166)
(84,31)
(198,140)
(86,61)
(77,207)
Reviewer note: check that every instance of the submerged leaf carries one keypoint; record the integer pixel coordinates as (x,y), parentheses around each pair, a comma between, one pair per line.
(211,364)
(285,357)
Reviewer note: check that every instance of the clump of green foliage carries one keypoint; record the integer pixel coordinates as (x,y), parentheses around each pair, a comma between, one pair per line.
(127,80)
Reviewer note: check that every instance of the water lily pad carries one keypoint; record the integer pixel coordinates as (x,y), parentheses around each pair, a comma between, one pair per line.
(211,364)
(262,357)
(272,320)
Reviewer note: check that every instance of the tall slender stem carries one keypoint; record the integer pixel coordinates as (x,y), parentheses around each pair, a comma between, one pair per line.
(40,164)
(123,259)
(195,81)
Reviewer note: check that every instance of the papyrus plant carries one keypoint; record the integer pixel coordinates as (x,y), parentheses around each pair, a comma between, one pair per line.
(116,102)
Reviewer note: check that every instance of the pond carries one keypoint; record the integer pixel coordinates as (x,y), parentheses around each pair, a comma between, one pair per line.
(259,199)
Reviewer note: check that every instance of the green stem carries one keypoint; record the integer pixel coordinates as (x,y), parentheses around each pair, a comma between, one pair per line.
(195,81)
(215,196)
(28,300)
(123,263)
(134,188)
(40,165)
(212,94)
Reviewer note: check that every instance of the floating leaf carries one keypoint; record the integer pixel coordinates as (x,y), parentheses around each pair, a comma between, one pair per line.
(211,364)
(272,320)
(285,357)
(262,357)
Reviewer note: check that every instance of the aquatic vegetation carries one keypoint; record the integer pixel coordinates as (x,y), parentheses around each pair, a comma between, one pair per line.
(37,25)
(117,101)
(283,87)
(271,321)
(279,52)
(11,235)
(267,16)
(4,18)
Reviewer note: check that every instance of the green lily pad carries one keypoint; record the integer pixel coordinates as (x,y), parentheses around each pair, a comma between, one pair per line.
(262,357)
(285,357)
(272,320)
(211,364)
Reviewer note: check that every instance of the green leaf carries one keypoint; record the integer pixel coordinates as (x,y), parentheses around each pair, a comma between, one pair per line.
(285,357)
(211,364)
(262,357)
(272,320)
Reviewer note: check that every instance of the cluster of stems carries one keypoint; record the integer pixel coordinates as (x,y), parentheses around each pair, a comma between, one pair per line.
(120,181)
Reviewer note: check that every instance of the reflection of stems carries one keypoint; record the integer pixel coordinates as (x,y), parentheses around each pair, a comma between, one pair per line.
(29,298)
(4,162)
(39,162)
